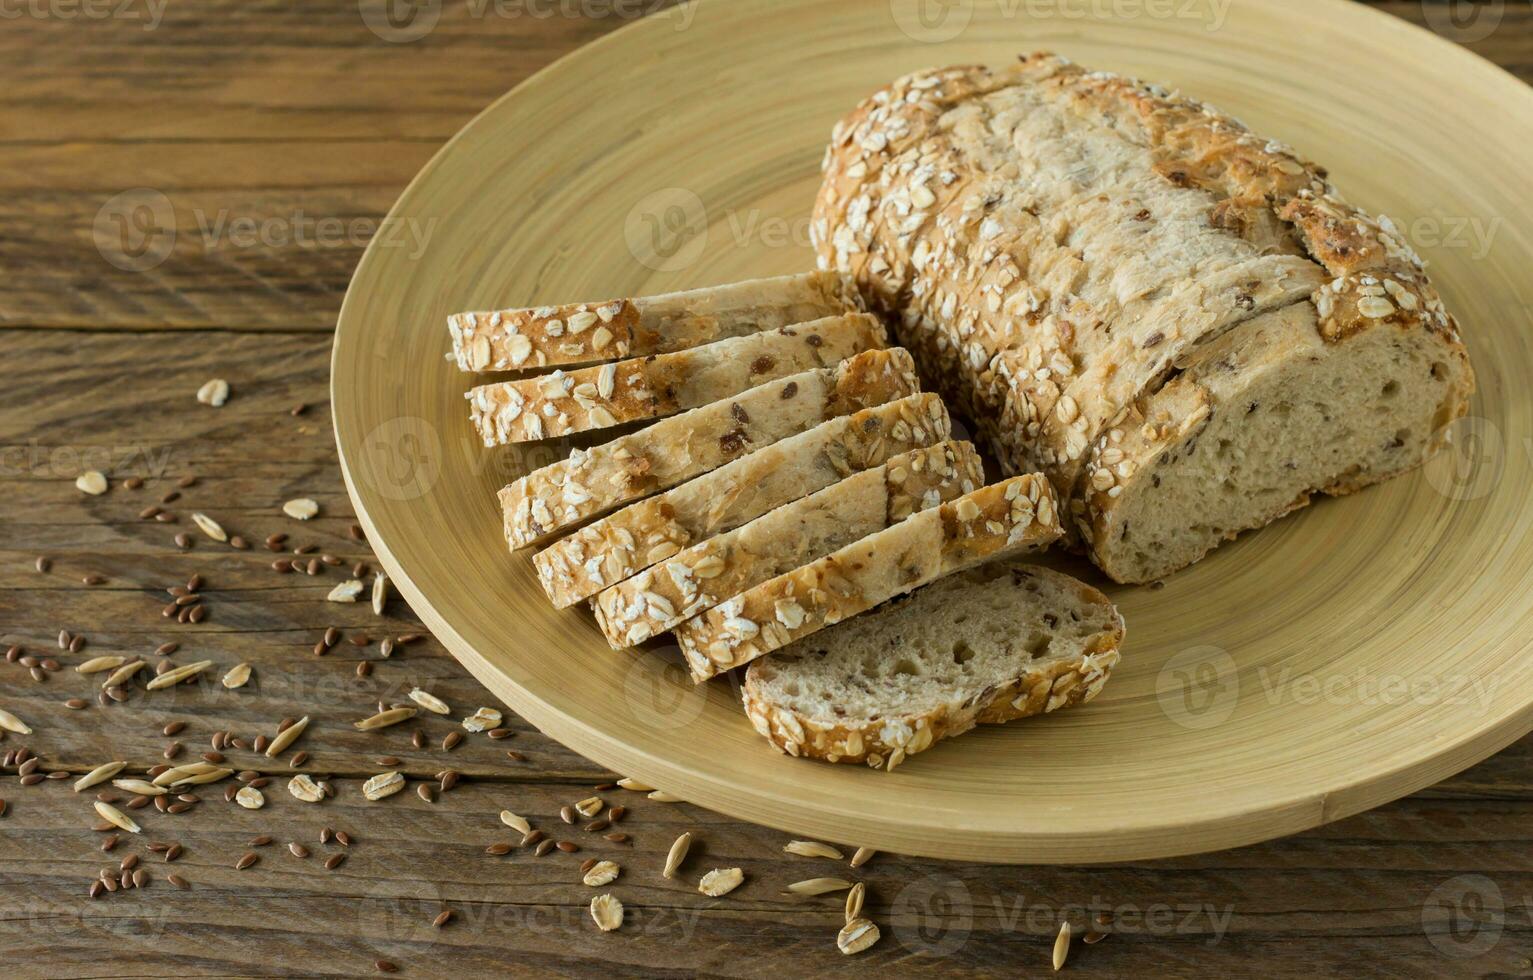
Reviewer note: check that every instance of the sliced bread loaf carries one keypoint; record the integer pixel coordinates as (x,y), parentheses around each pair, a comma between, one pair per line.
(727,564)
(584,333)
(1002,519)
(989,645)
(593,481)
(652,530)
(561,403)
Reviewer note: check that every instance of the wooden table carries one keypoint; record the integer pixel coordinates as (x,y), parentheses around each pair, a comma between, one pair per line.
(278,133)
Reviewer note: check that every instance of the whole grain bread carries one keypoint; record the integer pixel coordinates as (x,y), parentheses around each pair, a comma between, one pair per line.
(700,577)
(592,482)
(650,531)
(564,402)
(584,333)
(996,521)
(993,644)
(1061,244)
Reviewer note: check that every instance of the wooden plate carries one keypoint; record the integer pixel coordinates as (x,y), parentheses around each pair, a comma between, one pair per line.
(1348,655)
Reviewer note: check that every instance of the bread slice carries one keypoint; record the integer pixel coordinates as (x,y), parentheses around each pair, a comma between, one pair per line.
(1002,519)
(989,645)
(593,481)
(562,403)
(585,333)
(727,564)
(652,530)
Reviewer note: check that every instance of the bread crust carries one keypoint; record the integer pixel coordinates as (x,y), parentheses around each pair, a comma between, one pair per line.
(655,529)
(998,520)
(891,740)
(562,403)
(707,573)
(583,333)
(591,482)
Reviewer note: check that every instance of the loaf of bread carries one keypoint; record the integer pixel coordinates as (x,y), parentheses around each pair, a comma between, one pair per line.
(1182,324)
(585,333)
(656,528)
(989,645)
(564,402)
(591,482)
(997,521)
(781,540)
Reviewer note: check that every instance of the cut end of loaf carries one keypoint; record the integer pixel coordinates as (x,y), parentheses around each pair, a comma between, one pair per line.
(996,643)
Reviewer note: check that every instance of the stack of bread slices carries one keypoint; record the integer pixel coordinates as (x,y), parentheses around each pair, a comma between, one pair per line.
(774,472)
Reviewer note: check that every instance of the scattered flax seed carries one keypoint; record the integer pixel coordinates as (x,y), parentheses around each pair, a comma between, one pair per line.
(250,798)
(238,676)
(812,849)
(209,526)
(451,741)
(380,593)
(720,882)
(863,856)
(116,817)
(426,792)
(93,579)
(347,591)
(334,861)
(1061,946)
(91,482)
(442,918)
(76,704)
(606,912)
(297,850)
(430,702)
(364,668)
(172,852)
(286,737)
(856,936)
(499,849)
(246,860)
(678,854)
(1093,937)
(260,841)
(386,648)
(99,775)
(544,846)
(500,733)
(301,509)
(298,759)
(173,677)
(384,719)
(568,847)
(567,813)
(43,564)
(384,966)
(178,881)
(601,873)
(819,886)
(183,540)
(305,788)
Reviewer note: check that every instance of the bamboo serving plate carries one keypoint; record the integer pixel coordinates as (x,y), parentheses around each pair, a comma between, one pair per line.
(1349,654)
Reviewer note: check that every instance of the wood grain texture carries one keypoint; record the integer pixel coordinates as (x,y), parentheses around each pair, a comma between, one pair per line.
(229,100)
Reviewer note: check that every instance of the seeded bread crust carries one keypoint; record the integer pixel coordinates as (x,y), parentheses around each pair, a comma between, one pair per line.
(627,542)
(583,333)
(1002,519)
(593,481)
(1045,602)
(779,541)
(563,403)
(1048,316)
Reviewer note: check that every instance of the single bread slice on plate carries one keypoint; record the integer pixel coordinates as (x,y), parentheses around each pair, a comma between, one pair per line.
(565,402)
(594,481)
(585,333)
(1001,520)
(989,645)
(654,529)
(779,541)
